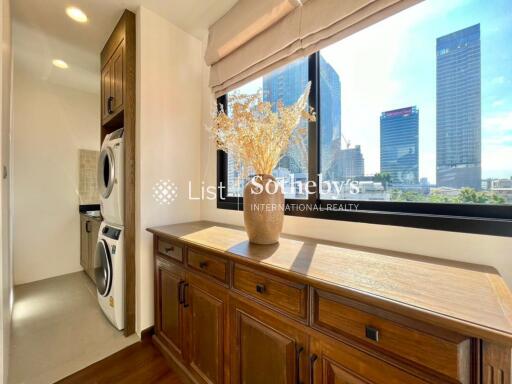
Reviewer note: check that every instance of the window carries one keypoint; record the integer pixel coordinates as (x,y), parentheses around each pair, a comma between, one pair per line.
(414,122)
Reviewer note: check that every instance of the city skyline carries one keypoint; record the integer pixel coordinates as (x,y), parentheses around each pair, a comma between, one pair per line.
(406,75)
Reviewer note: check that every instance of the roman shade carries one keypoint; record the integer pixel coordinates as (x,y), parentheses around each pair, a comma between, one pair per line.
(256,36)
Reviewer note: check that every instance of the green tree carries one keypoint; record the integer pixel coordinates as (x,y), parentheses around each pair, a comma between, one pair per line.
(384,178)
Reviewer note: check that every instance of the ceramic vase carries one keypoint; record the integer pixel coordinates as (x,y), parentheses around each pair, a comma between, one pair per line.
(263,209)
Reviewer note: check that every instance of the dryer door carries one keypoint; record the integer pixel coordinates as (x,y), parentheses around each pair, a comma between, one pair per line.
(106,172)
(103,270)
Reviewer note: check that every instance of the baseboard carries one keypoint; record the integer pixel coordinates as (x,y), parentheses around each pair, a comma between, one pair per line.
(147,334)
(175,365)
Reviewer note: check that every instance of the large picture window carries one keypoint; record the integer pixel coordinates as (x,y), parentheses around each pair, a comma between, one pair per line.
(414,122)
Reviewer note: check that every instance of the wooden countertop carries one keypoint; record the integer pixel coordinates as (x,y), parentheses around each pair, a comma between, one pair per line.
(467,298)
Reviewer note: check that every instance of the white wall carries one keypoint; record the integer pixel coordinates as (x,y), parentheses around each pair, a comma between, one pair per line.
(50,123)
(169,70)
(5,237)
(489,250)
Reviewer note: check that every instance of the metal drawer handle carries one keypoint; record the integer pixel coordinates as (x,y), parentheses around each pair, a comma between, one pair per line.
(260,288)
(110,100)
(372,333)
(169,249)
(298,351)
(203,264)
(185,301)
(180,292)
(312,360)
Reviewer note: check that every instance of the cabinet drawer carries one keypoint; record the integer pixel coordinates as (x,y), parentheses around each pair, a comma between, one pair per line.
(171,250)
(284,295)
(210,265)
(444,352)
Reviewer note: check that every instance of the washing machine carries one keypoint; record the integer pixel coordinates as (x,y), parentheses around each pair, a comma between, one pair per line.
(111,178)
(109,273)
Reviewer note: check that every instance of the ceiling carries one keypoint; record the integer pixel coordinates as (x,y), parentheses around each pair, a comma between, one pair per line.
(42,32)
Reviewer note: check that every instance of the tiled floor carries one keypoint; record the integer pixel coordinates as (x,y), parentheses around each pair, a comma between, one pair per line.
(58,328)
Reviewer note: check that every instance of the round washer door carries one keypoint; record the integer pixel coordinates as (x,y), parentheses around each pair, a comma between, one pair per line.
(103,270)
(106,172)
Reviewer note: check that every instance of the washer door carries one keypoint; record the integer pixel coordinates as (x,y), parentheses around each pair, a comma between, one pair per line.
(106,172)
(103,270)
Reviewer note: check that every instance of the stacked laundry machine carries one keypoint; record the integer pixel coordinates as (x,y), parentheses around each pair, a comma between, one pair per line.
(110,258)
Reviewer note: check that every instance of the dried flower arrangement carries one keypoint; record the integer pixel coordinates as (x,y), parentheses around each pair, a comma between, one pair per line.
(255,135)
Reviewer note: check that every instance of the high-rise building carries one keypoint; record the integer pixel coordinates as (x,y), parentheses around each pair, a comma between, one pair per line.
(399,145)
(459,109)
(287,84)
(346,164)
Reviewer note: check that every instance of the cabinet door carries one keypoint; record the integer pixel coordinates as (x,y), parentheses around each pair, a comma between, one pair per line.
(169,282)
(106,91)
(84,242)
(94,227)
(333,362)
(264,348)
(206,311)
(117,79)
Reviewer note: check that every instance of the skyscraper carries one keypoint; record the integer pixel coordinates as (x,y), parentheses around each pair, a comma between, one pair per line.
(287,84)
(399,145)
(459,109)
(346,164)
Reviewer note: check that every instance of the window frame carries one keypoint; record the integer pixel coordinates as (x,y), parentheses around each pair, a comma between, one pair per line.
(487,219)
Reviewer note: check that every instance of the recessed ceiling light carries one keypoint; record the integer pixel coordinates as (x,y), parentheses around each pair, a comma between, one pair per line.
(60,64)
(76,14)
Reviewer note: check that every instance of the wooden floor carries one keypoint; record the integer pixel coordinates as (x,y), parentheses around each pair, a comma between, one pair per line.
(140,363)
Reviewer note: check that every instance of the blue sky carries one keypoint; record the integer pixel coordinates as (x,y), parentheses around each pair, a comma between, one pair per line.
(393,65)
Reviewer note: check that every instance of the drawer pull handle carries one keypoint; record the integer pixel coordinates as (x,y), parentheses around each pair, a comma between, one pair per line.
(169,249)
(312,360)
(260,288)
(372,333)
(203,264)
(180,292)
(185,296)
(298,351)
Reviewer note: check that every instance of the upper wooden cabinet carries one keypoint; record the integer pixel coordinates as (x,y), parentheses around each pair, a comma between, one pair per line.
(112,85)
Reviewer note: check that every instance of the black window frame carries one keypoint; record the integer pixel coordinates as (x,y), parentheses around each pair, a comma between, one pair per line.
(487,219)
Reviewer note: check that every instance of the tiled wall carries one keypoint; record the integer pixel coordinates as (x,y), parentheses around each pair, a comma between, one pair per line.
(88,187)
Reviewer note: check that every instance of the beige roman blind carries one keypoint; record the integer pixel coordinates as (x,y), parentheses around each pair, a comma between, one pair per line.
(256,36)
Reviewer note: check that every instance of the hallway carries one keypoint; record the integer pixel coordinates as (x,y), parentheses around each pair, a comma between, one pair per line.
(58,328)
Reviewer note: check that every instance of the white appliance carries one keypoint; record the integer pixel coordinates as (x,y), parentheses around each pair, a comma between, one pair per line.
(111,178)
(109,273)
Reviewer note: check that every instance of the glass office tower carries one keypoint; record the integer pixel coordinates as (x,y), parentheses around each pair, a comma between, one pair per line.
(459,109)
(399,145)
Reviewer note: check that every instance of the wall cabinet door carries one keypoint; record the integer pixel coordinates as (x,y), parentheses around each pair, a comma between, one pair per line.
(106,82)
(112,85)
(333,362)
(265,349)
(169,285)
(205,305)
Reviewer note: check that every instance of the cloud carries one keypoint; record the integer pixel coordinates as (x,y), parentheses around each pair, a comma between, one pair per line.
(498,103)
(498,124)
(499,80)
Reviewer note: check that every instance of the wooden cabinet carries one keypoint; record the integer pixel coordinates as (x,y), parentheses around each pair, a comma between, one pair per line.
(206,312)
(246,316)
(190,320)
(333,362)
(112,83)
(265,349)
(169,300)
(89,228)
